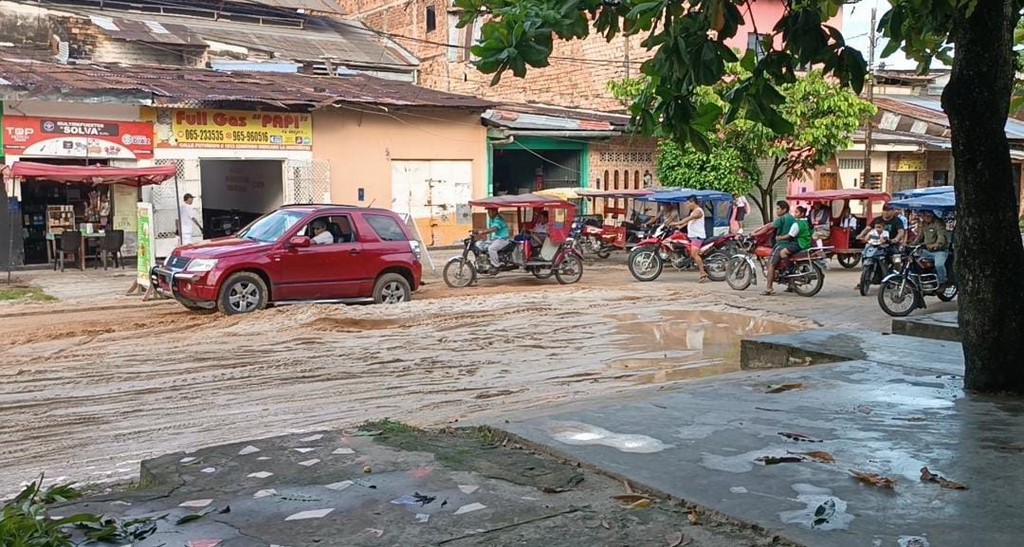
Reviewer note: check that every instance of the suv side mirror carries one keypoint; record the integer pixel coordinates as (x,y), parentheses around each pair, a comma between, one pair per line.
(299,242)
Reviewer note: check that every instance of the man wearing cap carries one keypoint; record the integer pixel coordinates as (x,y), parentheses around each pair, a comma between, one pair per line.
(935,239)
(187,220)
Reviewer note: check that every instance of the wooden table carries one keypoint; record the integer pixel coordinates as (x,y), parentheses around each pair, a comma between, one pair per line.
(51,241)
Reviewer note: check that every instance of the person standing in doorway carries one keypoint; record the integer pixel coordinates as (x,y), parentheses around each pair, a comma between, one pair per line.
(187,222)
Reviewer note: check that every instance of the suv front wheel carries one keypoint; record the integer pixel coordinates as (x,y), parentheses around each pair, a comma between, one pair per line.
(391,288)
(243,292)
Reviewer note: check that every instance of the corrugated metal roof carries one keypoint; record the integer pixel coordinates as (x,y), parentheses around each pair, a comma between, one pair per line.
(150,32)
(324,6)
(528,117)
(930,110)
(322,38)
(179,85)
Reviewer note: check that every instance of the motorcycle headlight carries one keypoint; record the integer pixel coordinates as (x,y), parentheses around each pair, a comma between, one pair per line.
(201,265)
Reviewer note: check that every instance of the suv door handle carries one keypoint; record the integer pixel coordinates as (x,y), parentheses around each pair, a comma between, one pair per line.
(354,251)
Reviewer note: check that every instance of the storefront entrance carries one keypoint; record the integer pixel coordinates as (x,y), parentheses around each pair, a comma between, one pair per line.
(236,192)
(532,164)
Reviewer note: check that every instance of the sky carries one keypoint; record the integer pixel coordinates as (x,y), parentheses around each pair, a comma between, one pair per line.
(856,25)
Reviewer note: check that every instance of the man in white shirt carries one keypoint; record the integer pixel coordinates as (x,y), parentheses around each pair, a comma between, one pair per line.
(187,220)
(697,233)
(321,235)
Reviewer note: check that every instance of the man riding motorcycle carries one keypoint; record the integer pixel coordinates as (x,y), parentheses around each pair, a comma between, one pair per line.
(498,238)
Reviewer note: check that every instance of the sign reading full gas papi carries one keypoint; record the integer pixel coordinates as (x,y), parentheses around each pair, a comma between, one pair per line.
(232,129)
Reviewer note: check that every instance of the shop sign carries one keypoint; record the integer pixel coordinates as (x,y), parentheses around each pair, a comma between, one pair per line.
(71,138)
(233,129)
(910,162)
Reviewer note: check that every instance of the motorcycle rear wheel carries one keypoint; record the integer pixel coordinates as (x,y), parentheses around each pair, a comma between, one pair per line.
(738,274)
(645,264)
(459,274)
(895,295)
(604,253)
(717,266)
(569,271)
(813,276)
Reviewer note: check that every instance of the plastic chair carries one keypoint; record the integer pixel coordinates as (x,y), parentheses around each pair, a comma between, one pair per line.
(111,245)
(70,244)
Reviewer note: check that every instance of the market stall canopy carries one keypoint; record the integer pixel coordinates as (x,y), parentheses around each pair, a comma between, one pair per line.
(849,193)
(520,200)
(561,193)
(679,195)
(77,174)
(917,192)
(939,202)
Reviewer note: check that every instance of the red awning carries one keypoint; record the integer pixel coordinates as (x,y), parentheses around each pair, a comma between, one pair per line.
(132,176)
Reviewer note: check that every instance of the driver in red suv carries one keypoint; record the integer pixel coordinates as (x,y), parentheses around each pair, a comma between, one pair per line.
(298,253)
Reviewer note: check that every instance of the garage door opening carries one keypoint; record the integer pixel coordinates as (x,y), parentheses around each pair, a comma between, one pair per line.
(236,192)
(523,171)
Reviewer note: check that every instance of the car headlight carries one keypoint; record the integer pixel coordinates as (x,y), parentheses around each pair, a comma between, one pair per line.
(201,265)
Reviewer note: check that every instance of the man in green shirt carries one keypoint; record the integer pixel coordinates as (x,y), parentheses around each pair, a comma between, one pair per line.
(498,236)
(786,232)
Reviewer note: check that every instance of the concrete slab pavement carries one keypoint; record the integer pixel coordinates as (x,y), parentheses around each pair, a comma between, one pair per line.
(702,443)
(938,326)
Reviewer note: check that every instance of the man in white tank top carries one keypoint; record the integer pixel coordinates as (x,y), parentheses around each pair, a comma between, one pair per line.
(695,231)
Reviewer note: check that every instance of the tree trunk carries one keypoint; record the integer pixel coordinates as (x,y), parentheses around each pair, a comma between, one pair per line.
(767,204)
(989,254)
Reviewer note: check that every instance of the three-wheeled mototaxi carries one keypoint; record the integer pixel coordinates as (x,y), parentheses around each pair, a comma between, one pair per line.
(619,224)
(540,248)
(842,236)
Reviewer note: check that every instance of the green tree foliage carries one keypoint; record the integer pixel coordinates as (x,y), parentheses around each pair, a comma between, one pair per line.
(690,52)
(823,117)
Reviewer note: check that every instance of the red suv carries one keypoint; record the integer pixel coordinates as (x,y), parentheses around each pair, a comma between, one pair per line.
(297,253)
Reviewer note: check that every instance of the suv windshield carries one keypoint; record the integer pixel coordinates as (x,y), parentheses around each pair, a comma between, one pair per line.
(272,227)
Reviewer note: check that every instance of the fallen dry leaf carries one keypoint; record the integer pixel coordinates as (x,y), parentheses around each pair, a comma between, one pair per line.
(678,540)
(928,476)
(799,437)
(605,525)
(694,518)
(817,455)
(772,460)
(874,479)
(630,498)
(782,387)
(640,504)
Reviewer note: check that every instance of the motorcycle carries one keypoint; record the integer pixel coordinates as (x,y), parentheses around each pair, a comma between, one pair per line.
(875,266)
(903,291)
(648,257)
(800,272)
(602,241)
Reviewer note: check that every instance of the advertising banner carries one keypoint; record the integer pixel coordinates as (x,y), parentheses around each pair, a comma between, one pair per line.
(71,138)
(146,259)
(232,129)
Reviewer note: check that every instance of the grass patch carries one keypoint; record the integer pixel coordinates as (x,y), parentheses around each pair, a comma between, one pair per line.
(28,294)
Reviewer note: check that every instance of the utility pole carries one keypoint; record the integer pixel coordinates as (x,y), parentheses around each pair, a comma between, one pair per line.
(870,81)
(625,55)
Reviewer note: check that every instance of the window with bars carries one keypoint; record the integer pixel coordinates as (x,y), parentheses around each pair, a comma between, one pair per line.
(856,164)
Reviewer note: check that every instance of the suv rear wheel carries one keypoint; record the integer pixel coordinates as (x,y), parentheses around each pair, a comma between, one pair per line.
(243,292)
(391,288)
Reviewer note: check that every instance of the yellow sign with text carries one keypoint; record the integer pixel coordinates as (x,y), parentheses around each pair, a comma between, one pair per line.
(231,129)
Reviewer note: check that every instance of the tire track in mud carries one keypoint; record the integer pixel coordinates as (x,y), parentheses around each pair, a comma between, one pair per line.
(174,381)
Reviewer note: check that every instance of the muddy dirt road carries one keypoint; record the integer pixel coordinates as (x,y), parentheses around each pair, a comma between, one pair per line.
(86,395)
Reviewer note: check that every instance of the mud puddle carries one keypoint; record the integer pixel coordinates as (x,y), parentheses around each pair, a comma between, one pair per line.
(686,344)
